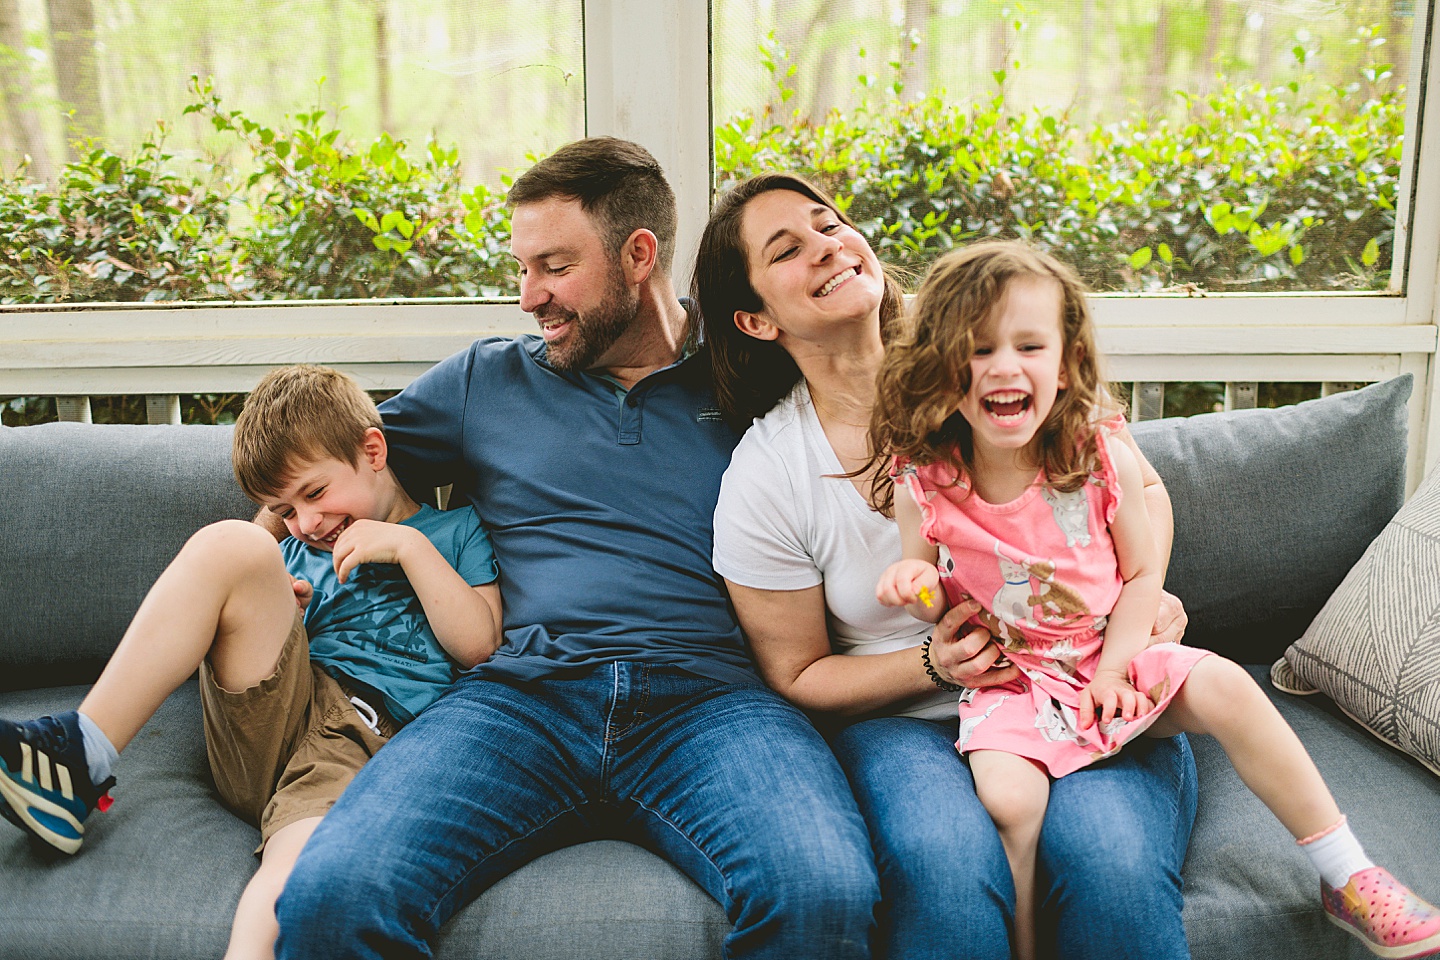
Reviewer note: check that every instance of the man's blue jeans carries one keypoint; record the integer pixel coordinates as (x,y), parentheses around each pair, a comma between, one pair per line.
(1111,849)
(727,781)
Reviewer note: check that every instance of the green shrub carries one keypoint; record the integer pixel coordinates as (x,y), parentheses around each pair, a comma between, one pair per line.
(1292,187)
(1246,187)
(333,221)
(115,229)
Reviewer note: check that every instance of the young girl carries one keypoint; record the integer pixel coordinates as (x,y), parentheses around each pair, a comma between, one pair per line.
(999,424)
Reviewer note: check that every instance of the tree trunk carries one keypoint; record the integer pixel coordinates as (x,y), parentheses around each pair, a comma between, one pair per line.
(1000,36)
(77,75)
(18,93)
(1158,71)
(1264,56)
(382,63)
(1214,24)
(1084,56)
(334,58)
(811,59)
(916,74)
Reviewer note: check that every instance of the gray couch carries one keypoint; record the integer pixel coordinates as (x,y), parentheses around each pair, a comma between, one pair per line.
(1272,508)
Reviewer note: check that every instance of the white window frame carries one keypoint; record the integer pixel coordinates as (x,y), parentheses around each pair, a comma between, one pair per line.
(647,72)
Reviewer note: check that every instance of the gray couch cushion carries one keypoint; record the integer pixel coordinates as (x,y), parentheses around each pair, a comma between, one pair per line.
(160,874)
(1246,884)
(1250,891)
(102,510)
(1273,508)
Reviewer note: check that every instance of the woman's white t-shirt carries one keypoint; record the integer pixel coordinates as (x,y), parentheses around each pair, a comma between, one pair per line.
(787,520)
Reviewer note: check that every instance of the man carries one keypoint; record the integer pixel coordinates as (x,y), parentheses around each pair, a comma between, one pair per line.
(622,697)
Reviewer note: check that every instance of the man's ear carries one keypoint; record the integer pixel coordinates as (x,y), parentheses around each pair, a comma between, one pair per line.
(755,325)
(375,449)
(639,256)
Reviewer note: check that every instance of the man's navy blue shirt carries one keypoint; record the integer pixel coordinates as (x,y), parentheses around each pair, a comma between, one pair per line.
(599,501)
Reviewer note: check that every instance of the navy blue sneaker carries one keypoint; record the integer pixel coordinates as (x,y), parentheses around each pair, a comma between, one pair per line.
(45,786)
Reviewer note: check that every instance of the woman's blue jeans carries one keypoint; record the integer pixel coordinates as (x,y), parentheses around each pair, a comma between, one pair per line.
(1111,849)
(727,781)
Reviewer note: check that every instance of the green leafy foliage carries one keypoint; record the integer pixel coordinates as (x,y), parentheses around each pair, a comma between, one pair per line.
(1245,188)
(309,217)
(331,220)
(115,229)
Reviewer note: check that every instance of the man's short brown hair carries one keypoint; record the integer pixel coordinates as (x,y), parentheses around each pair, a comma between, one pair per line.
(294,416)
(619,185)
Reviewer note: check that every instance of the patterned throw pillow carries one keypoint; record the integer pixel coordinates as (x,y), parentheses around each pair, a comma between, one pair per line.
(1375,646)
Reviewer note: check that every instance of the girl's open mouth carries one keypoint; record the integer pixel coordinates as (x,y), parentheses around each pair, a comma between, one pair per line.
(1006,405)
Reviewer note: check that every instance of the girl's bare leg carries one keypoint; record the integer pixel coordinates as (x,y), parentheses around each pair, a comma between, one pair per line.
(226,595)
(1015,792)
(252,937)
(1221,699)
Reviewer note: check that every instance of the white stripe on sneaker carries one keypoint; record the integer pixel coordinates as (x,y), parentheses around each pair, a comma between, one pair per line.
(66,790)
(45,764)
(27,762)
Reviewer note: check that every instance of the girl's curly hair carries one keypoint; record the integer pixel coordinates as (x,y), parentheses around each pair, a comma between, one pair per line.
(927,371)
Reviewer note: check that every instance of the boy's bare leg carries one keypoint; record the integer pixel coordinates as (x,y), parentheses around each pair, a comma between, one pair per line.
(1015,792)
(253,935)
(1221,699)
(226,595)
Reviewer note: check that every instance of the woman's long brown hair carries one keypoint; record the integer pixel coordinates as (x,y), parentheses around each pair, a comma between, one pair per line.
(927,372)
(751,375)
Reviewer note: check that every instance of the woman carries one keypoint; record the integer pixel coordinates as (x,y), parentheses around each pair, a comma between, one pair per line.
(797,312)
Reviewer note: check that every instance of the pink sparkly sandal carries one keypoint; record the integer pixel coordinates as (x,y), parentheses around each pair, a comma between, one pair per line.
(1384,914)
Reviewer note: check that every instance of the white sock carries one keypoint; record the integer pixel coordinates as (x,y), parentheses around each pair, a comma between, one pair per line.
(100,753)
(1337,855)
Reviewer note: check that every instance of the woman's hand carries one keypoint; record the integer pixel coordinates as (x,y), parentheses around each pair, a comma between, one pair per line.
(1170,623)
(1110,694)
(966,654)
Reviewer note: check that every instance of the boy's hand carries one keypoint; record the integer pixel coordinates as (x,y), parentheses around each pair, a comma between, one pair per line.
(1110,694)
(372,541)
(902,584)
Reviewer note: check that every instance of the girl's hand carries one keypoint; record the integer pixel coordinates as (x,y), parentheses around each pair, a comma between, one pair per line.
(1110,694)
(902,584)
(371,541)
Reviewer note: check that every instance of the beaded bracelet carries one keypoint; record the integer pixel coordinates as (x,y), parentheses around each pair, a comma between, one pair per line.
(939,681)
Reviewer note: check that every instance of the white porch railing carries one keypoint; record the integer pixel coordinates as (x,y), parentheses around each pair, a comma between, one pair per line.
(75,353)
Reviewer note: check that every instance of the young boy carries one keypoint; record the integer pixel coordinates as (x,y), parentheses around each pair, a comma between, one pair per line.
(395,596)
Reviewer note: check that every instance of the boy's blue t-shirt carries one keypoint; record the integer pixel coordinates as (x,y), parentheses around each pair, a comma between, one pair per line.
(372,628)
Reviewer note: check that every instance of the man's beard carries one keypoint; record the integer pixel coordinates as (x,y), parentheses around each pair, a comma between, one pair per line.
(595,332)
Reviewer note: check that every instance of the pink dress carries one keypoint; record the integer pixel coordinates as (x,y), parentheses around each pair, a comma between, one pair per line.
(1044,570)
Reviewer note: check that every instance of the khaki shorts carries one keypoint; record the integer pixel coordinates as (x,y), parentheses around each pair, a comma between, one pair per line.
(284,749)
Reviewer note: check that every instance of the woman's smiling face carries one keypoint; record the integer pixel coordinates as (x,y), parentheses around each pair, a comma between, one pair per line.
(810,269)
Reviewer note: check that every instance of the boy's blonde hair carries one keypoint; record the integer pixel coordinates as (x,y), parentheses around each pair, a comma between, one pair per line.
(927,371)
(294,416)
